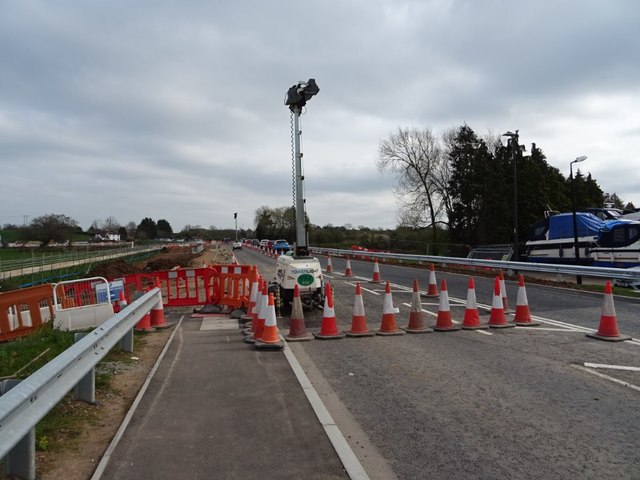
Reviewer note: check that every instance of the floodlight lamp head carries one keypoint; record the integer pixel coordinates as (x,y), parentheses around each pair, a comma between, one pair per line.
(298,95)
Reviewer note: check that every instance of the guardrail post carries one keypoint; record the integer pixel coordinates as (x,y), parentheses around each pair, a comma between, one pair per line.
(85,389)
(20,462)
(126,343)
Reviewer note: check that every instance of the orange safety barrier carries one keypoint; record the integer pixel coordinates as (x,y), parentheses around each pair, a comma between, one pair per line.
(20,311)
(227,285)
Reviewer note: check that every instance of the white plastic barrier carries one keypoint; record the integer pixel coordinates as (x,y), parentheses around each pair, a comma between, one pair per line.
(81,304)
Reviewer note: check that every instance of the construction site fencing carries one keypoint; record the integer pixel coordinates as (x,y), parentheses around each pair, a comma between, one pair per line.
(46,263)
(226,285)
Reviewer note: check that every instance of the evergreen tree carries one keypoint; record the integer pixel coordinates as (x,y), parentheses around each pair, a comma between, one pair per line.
(477,191)
(164,229)
(147,229)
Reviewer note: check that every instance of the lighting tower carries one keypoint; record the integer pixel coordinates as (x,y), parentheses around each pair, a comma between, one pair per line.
(297,97)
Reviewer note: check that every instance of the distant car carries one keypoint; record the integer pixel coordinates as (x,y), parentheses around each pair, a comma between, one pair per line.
(236,245)
(255,242)
(281,246)
(264,243)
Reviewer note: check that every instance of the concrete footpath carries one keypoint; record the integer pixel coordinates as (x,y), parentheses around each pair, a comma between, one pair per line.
(217,408)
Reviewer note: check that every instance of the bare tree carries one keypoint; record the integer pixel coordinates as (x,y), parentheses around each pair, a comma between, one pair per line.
(131,229)
(415,157)
(111,224)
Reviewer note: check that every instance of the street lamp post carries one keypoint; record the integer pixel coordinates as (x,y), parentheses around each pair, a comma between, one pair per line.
(515,147)
(576,250)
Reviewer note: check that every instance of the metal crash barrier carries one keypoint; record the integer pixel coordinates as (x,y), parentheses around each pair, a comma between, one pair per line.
(24,403)
(24,311)
(226,285)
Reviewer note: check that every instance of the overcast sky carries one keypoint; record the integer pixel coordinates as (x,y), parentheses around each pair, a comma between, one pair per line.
(174,109)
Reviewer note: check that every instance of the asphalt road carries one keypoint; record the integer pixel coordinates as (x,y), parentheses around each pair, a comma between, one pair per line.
(499,404)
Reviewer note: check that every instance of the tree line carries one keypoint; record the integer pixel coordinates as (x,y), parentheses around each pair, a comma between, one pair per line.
(464,184)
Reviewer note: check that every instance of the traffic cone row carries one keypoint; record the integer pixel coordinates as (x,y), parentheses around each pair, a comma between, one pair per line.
(389,325)
(416,315)
(258,314)
(359,327)
(329,265)
(266,336)
(444,323)
(376,272)
(471,319)
(432,287)
(157,319)
(297,329)
(329,327)
(523,316)
(270,336)
(348,272)
(503,291)
(608,328)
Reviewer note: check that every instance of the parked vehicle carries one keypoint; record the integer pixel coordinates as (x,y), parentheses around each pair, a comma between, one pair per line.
(281,246)
(611,243)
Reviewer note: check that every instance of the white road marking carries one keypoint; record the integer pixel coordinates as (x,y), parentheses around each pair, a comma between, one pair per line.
(349,460)
(612,367)
(607,377)
(484,332)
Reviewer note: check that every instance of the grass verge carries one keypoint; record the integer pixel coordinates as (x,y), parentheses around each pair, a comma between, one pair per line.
(62,427)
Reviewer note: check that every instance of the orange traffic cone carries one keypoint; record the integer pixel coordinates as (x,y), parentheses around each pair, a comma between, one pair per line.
(503,292)
(444,323)
(416,316)
(329,327)
(253,278)
(376,272)
(144,325)
(348,272)
(471,319)
(157,312)
(120,304)
(255,309)
(123,301)
(157,319)
(608,329)
(497,318)
(432,288)
(329,265)
(359,327)
(523,316)
(389,326)
(297,330)
(270,339)
(262,312)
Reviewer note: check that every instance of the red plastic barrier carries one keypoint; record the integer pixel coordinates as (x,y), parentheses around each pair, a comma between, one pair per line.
(216,284)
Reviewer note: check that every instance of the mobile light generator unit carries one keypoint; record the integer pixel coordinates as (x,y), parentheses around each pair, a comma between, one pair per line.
(298,267)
